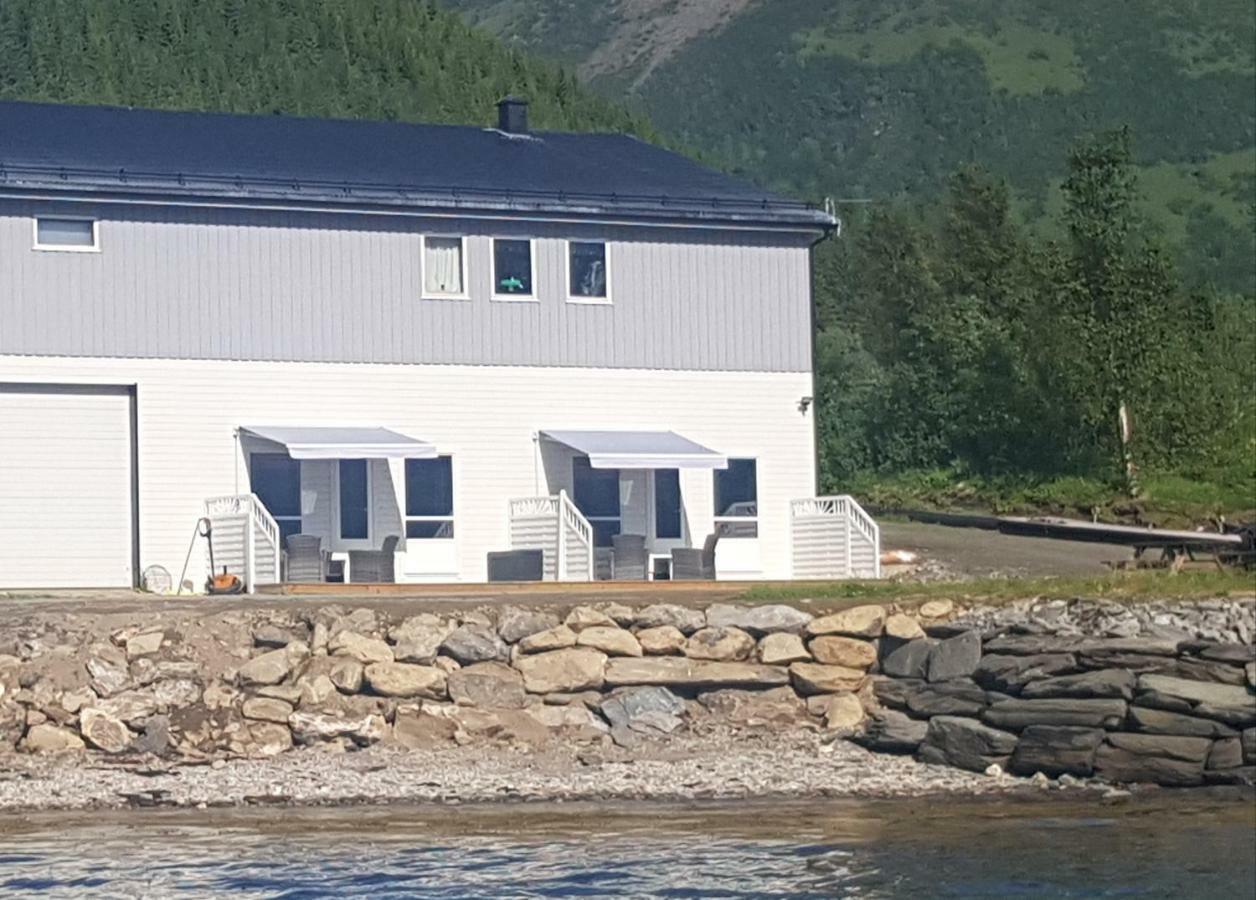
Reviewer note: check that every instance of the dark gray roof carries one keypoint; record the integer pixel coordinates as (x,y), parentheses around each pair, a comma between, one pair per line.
(145,152)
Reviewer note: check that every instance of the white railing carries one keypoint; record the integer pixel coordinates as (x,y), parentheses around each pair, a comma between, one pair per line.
(575,542)
(556,527)
(834,537)
(246,536)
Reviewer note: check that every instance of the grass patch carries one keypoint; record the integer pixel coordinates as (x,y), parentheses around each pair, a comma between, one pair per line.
(1019,59)
(1124,587)
(1171,192)
(1168,500)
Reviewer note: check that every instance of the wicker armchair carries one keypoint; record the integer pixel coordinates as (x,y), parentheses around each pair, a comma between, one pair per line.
(629,557)
(306,562)
(374,566)
(693,563)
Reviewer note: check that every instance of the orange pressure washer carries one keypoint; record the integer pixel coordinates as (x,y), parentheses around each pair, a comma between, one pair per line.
(224,583)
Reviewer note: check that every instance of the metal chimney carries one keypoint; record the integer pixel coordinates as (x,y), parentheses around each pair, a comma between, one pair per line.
(512,115)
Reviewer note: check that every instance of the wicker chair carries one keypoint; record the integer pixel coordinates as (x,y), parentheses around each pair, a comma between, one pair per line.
(629,557)
(694,564)
(306,563)
(375,566)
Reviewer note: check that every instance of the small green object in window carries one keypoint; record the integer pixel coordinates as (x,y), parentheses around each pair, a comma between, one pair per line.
(511,284)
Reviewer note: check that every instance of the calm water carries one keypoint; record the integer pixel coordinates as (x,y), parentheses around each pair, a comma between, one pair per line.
(1181,849)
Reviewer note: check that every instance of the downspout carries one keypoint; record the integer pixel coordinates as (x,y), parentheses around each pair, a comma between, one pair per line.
(829,231)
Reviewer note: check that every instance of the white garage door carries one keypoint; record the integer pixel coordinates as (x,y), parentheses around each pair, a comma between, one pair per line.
(65,487)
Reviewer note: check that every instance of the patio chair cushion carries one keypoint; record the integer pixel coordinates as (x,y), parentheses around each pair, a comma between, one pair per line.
(516,565)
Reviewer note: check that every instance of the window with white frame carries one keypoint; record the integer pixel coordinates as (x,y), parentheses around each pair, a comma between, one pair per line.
(444,267)
(67,233)
(737,499)
(429,498)
(513,269)
(587,274)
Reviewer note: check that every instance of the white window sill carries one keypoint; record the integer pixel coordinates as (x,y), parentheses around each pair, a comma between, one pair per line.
(515,298)
(63,248)
(445,297)
(590,301)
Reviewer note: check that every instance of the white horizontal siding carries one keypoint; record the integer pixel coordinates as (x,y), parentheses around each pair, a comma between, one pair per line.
(238,284)
(485,417)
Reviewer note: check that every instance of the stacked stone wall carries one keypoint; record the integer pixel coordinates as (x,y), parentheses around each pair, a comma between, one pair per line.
(1157,693)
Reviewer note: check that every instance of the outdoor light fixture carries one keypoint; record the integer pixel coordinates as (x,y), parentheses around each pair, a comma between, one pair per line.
(804,403)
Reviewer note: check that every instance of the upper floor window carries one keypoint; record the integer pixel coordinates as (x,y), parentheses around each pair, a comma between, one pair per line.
(513,265)
(737,499)
(82,235)
(587,276)
(444,267)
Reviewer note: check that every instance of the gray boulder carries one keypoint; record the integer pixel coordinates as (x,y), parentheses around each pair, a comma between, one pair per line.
(947,698)
(1225,754)
(1056,750)
(1160,721)
(1008,673)
(893,692)
(647,710)
(515,624)
(1236,654)
(1232,704)
(955,657)
(1209,670)
(758,620)
(474,643)
(909,660)
(1248,740)
(1157,759)
(965,743)
(1031,644)
(1138,663)
(890,731)
(681,617)
(1103,683)
(1017,714)
(1147,646)
(487,684)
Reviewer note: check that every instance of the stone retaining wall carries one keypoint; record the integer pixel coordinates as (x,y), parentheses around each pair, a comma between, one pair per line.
(1168,700)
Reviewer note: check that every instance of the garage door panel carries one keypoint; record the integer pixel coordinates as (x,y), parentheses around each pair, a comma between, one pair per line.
(65,489)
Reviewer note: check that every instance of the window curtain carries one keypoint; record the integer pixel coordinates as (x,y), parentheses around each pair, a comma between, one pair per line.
(443,266)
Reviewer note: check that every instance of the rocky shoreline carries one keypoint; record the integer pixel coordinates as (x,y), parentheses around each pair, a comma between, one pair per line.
(326,705)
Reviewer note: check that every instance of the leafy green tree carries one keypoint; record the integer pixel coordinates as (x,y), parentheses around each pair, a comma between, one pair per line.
(1119,298)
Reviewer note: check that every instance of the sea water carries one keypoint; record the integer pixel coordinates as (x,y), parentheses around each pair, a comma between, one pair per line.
(1180,847)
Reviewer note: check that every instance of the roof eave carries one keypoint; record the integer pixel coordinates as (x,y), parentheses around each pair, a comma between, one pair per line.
(714,213)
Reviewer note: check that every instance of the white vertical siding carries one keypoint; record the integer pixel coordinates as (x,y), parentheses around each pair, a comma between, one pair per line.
(485,417)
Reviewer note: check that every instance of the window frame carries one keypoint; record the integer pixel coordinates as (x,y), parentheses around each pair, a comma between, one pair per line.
(606,258)
(65,248)
(424,293)
(406,518)
(535,296)
(719,520)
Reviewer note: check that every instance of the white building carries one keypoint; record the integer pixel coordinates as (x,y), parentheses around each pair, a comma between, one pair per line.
(438,342)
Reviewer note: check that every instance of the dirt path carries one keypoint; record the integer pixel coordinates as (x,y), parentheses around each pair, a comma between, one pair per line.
(977,553)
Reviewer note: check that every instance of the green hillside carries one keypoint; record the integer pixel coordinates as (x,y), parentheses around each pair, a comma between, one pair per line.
(962,353)
(380,59)
(887,98)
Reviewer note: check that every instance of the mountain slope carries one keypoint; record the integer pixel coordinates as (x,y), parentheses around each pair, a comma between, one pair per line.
(380,59)
(885,98)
